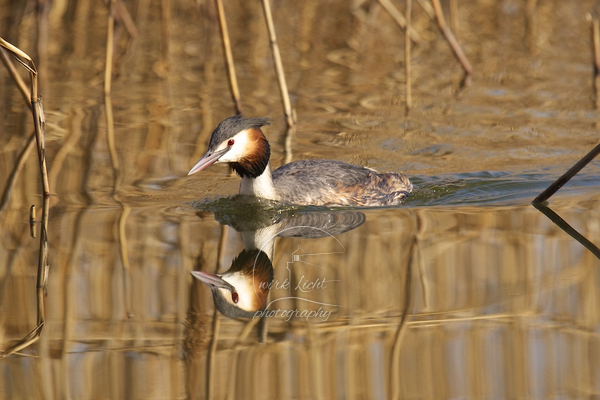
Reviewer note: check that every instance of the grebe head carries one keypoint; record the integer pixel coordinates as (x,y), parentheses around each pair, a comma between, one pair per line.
(240,142)
(243,289)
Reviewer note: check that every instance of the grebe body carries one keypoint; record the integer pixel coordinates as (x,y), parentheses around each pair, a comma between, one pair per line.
(240,142)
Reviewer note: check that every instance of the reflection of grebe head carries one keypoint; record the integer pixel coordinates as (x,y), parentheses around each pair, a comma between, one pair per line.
(240,142)
(243,289)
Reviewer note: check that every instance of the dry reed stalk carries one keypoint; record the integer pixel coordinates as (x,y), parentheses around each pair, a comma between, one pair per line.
(454,17)
(596,40)
(453,43)
(124,16)
(546,194)
(32,221)
(287,146)
(407,57)
(235,91)
(285,95)
(400,20)
(596,49)
(107,92)
(37,111)
(15,76)
(426,6)
(41,38)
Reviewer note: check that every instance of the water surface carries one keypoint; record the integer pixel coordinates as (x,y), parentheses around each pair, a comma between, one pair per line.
(466,290)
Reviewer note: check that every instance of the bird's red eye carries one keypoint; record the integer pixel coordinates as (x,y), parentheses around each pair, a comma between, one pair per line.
(230,142)
(235,297)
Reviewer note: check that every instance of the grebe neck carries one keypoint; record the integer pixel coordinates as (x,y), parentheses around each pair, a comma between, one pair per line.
(260,186)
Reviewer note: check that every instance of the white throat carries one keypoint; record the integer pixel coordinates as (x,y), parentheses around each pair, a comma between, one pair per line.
(262,239)
(261,186)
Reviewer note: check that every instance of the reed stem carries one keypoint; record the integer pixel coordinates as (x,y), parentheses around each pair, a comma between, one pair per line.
(546,194)
(285,95)
(456,47)
(235,91)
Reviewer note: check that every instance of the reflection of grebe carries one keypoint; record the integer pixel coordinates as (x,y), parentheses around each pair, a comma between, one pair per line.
(243,289)
(240,142)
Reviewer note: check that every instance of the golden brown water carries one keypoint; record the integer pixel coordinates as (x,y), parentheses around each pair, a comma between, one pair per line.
(466,291)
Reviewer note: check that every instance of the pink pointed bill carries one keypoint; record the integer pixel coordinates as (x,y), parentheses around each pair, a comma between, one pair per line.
(207,160)
(211,280)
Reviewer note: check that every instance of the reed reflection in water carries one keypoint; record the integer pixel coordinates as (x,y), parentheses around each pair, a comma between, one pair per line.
(503,304)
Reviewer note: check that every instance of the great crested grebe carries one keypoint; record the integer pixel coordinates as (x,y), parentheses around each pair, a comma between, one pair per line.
(240,142)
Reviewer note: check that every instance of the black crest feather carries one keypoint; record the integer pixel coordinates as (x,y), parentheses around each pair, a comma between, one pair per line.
(233,125)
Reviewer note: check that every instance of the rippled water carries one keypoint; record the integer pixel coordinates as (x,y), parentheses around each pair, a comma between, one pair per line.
(466,290)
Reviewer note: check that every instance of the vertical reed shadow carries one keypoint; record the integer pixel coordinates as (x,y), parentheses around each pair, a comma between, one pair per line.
(400,332)
(116,8)
(210,357)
